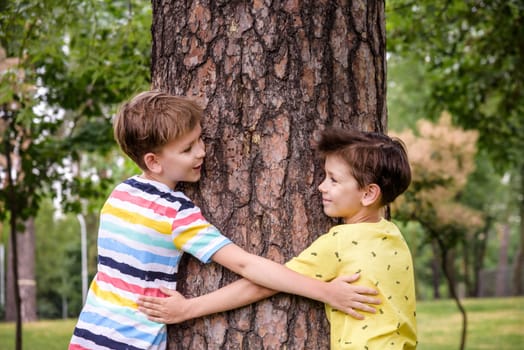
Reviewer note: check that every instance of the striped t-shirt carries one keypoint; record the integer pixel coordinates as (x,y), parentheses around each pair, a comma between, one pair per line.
(145,227)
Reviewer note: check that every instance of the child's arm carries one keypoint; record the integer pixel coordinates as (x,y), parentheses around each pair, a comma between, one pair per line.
(176,308)
(338,293)
(272,275)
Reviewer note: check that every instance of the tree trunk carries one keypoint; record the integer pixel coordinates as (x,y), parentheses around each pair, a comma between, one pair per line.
(451,276)
(466,264)
(270,78)
(26,276)
(445,258)
(479,254)
(502,265)
(435,268)
(518,284)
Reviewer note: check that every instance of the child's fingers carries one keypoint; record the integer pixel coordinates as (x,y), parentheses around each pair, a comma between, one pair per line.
(364,307)
(362,297)
(150,312)
(154,313)
(354,314)
(149,308)
(158,319)
(349,278)
(357,289)
(168,291)
(155,300)
(370,300)
(143,300)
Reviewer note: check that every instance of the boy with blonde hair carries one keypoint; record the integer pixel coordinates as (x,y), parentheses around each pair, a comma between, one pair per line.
(146,225)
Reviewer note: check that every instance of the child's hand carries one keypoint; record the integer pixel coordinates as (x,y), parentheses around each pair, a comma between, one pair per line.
(164,310)
(347,297)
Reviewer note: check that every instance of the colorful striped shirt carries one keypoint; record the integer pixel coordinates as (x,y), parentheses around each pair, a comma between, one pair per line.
(145,227)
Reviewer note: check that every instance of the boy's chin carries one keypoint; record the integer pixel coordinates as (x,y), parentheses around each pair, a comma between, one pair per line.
(328,213)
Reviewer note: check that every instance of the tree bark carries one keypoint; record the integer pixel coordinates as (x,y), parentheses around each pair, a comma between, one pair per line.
(26,276)
(270,78)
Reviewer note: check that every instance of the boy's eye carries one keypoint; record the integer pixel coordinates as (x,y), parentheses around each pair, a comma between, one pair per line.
(188,149)
(333,179)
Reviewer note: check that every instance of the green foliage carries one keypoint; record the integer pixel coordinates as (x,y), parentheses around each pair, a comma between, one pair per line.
(422,255)
(57,263)
(473,56)
(463,56)
(77,61)
(64,67)
(407,93)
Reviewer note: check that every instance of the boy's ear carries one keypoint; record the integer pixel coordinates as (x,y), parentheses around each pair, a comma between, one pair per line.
(152,163)
(371,195)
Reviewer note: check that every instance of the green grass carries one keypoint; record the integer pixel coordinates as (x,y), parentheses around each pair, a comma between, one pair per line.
(495,324)
(41,335)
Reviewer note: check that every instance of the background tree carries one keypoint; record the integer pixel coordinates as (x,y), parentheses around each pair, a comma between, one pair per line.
(270,78)
(83,58)
(441,158)
(473,57)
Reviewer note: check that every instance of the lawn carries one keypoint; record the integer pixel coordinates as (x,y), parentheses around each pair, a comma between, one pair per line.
(496,324)
(41,335)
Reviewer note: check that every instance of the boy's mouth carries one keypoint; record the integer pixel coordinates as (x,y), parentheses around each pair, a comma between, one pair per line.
(325,201)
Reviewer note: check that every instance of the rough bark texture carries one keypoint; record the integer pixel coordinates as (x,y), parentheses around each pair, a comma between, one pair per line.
(271,75)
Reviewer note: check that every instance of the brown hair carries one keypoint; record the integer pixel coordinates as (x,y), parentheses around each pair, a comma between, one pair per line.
(372,157)
(150,120)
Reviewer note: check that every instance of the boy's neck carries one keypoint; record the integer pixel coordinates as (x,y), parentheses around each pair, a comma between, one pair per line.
(152,177)
(373,216)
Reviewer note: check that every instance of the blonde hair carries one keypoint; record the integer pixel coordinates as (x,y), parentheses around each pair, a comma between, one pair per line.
(150,120)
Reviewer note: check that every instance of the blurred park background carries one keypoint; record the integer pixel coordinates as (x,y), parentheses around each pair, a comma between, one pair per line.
(455,96)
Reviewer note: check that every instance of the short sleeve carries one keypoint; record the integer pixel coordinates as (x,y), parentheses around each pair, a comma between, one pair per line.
(193,234)
(319,260)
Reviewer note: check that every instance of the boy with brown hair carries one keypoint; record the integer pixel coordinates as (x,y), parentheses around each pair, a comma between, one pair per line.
(364,172)
(146,225)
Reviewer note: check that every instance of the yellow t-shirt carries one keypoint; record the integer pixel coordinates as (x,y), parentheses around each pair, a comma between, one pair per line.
(380,254)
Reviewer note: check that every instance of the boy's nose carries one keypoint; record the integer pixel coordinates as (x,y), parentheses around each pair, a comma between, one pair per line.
(201,153)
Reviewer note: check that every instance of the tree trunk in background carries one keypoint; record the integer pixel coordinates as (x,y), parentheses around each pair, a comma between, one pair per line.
(270,78)
(502,265)
(518,284)
(435,268)
(466,265)
(452,274)
(26,276)
(479,251)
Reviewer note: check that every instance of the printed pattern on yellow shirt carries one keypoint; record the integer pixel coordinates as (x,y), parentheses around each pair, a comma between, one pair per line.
(380,254)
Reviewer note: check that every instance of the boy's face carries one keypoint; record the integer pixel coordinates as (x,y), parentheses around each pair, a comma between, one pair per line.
(182,159)
(341,196)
